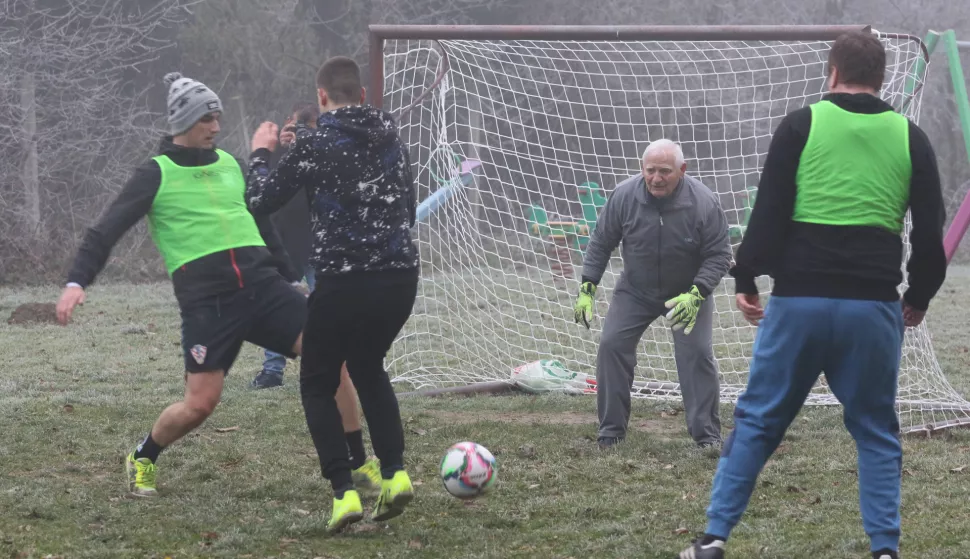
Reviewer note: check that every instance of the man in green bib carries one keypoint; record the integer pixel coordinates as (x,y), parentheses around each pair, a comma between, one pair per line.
(231,277)
(827,226)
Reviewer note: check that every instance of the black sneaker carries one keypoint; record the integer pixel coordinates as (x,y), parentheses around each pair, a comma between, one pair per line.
(606,443)
(699,550)
(266,379)
(885,554)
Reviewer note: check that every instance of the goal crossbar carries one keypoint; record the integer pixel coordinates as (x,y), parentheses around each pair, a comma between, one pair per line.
(381,32)
(616,32)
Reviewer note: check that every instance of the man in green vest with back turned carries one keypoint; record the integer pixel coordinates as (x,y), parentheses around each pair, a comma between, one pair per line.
(231,277)
(827,226)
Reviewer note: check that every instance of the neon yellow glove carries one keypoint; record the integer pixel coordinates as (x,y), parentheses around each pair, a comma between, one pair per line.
(583,310)
(684,309)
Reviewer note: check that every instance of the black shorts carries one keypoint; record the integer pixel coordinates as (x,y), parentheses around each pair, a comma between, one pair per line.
(270,314)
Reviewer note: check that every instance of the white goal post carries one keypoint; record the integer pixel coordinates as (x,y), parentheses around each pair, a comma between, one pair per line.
(517,134)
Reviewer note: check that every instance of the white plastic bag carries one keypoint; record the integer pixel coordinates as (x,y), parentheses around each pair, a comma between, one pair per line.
(549,375)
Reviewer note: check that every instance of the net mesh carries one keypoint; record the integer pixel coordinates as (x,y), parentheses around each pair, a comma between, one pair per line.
(515,142)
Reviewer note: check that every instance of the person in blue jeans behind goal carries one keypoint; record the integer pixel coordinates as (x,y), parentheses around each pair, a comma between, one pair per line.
(837,182)
(292,221)
(274,363)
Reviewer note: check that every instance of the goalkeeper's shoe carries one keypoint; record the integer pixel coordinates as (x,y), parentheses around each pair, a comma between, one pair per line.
(368,475)
(608,443)
(700,550)
(346,511)
(141,476)
(396,493)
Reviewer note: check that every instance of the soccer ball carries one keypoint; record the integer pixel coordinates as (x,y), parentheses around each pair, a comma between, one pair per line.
(468,469)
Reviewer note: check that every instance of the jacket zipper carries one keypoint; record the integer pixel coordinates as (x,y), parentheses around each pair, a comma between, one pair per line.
(232,257)
(660,251)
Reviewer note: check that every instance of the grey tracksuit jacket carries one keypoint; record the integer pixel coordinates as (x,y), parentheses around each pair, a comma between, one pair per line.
(668,245)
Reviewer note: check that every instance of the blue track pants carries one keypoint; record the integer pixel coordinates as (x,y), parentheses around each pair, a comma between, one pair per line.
(858,345)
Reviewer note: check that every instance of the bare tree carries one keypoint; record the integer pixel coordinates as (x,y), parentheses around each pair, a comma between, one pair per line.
(262,55)
(259,56)
(69,117)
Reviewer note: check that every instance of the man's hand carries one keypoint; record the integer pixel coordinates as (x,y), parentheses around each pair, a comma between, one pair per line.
(288,135)
(70,298)
(304,290)
(912,317)
(583,310)
(750,307)
(266,136)
(684,309)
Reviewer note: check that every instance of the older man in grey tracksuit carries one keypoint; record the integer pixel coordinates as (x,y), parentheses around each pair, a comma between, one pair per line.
(675,251)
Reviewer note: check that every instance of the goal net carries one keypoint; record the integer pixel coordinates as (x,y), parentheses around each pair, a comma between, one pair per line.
(516,143)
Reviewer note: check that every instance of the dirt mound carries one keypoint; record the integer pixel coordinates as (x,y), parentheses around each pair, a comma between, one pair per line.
(34,313)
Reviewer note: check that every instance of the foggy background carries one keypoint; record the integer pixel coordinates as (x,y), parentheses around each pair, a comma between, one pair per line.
(83,100)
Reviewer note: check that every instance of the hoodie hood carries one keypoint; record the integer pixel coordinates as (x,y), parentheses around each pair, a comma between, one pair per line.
(362,123)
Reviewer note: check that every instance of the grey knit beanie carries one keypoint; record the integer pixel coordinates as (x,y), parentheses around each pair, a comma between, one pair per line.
(188,101)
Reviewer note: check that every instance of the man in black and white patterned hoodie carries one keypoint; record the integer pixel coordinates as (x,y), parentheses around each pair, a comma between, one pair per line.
(356,173)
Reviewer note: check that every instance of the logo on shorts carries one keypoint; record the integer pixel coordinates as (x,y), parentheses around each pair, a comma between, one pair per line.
(198,353)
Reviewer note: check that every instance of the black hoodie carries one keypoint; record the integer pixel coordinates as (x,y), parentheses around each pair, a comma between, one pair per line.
(357,175)
(836,261)
(219,272)
(292,223)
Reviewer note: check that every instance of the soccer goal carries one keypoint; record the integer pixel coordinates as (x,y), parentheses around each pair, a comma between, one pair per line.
(518,133)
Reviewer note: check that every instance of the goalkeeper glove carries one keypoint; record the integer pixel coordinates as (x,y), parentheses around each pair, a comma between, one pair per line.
(583,311)
(684,309)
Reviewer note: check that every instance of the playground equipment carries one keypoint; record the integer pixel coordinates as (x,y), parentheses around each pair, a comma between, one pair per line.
(447,187)
(568,237)
(961,221)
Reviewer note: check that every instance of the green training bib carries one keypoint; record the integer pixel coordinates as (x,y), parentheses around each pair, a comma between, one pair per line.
(200,210)
(855,169)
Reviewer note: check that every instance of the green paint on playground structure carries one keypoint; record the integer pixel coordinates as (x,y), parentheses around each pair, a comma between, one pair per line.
(573,233)
(961,221)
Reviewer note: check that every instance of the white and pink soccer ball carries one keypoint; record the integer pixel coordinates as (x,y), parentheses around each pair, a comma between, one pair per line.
(468,469)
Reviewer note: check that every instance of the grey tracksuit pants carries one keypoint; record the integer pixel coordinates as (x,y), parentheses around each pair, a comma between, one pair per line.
(624,325)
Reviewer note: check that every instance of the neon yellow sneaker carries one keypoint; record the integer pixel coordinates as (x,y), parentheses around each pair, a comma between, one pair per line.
(346,511)
(141,476)
(369,475)
(396,493)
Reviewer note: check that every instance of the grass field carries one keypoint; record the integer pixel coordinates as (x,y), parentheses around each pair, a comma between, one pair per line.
(74,400)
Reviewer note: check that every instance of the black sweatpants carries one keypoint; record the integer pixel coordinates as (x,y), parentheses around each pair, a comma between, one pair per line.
(354,318)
